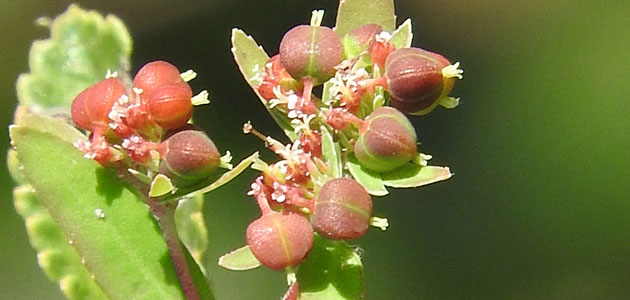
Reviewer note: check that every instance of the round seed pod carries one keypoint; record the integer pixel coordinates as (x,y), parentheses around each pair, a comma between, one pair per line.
(387,140)
(169,105)
(188,157)
(280,240)
(155,74)
(415,79)
(360,39)
(91,107)
(342,210)
(311,51)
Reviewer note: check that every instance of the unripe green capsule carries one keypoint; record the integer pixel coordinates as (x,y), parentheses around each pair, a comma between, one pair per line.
(387,140)
(342,210)
(188,157)
(311,51)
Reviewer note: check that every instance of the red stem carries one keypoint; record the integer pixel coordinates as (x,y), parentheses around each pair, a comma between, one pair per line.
(165,216)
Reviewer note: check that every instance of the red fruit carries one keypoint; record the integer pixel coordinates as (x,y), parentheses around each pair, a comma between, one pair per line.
(188,157)
(169,105)
(155,74)
(91,107)
(415,79)
(280,240)
(311,51)
(342,210)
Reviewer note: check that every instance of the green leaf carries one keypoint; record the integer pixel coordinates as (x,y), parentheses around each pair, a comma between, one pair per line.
(412,175)
(241,259)
(225,178)
(57,127)
(108,226)
(402,37)
(55,256)
(191,227)
(161,185)
(331,153)
(354,13)
(82,46)
(326,93)
(371,181)
(332,270)
(251,60)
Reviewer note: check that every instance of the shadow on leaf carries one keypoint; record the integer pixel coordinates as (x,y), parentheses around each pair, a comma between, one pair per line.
(108,185)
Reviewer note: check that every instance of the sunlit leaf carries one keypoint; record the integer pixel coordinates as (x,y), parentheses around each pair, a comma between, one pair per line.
(251,60)
(57,258)
(413,175)
(402,36)
(240,259)
(332,270)
(371,181)
(108,226)
(161,185)
(354,13)
(225,178)
(82,46)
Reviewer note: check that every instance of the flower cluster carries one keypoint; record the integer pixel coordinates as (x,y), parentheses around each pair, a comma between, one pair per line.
(144,125)
(362,72)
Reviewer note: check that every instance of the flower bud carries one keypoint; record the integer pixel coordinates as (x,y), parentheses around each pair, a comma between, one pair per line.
(360,39)
(280,240)
(342,210)
(91,107)
(311,51)
(155,74)
(188,157)
(416,80)
(169,105)
(387,140)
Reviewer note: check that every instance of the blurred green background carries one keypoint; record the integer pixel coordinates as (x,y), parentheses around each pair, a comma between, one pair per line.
(539,205)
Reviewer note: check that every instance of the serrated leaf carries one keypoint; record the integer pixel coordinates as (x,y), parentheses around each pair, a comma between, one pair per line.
(402,36)
(161,185)
(225,178)
(241,259)
(57,127)
(371,181)
(56,257)
(331,153)
(413,175)
(332,270)
(191,227)
(251,60)
(121,245)
(82,46)
(354,13)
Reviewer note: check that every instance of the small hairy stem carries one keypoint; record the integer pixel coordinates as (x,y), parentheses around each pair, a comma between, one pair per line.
(165,216)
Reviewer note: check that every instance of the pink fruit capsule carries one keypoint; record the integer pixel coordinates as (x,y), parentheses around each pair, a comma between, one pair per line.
(170,105)
(280,240)
(91,107)
(342,210)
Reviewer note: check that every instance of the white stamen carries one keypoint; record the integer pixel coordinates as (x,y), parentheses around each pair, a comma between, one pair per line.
(188,75)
